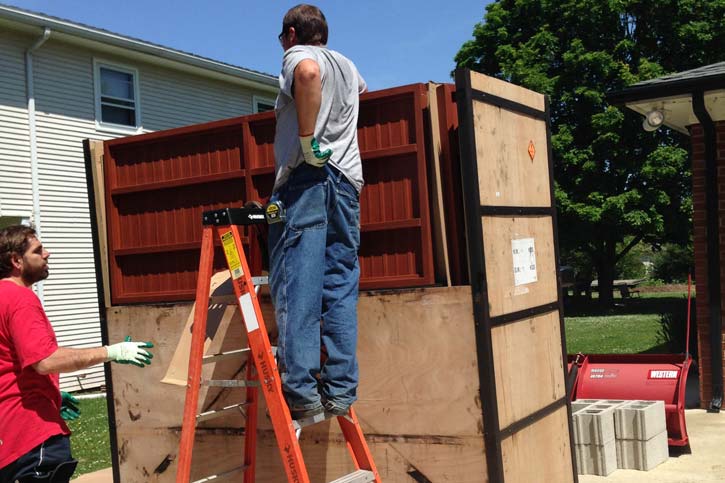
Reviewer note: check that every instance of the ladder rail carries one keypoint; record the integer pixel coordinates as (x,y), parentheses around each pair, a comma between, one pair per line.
(191,403)
(258,340)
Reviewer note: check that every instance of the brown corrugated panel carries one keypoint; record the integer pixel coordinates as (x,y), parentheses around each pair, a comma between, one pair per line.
(451,183)
(158,185)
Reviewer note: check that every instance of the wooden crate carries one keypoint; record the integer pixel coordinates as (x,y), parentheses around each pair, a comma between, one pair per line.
(462,383)
(512,253)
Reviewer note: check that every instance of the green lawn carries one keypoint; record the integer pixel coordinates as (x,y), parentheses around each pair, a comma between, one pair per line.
(90,441)
(630,327)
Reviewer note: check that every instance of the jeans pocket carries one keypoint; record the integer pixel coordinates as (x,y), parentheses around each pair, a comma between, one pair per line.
(306,207)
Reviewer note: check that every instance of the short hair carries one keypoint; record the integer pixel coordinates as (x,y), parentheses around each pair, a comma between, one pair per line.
(14,240)
(309,23)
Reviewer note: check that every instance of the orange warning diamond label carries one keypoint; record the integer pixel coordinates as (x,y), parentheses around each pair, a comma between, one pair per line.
(532,150)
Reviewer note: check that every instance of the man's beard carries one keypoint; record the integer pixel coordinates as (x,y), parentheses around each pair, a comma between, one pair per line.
(35,275)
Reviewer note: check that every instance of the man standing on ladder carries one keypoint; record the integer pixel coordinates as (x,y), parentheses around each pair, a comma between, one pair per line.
(314,269)
(34,439)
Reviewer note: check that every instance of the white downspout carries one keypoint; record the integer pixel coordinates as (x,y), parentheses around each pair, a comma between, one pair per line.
(33,138)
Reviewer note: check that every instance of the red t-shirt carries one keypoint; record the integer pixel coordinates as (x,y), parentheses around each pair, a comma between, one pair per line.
(29,402)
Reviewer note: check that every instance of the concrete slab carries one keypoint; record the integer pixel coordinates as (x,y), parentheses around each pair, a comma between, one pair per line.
(102,476)
(706,463)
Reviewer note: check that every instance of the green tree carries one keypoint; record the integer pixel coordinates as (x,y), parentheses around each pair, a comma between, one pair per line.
(613,180)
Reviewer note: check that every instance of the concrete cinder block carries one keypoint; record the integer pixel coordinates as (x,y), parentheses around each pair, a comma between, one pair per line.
(594,424)
(596,459)
(578,405)
(640,420)
(642,455)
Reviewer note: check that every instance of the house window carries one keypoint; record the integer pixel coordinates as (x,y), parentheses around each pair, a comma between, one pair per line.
(6,221)
(262,104)
(117,96)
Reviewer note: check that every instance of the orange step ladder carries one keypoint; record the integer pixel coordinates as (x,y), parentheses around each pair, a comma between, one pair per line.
(263,373)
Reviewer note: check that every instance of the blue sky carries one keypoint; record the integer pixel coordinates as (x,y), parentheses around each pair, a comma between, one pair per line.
(392,42)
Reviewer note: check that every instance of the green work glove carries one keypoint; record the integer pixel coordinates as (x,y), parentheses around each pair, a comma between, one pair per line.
(129,352)
(311,152)
(69,410)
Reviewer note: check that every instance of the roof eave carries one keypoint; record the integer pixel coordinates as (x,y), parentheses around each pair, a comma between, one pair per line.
(253,79)
(663,89)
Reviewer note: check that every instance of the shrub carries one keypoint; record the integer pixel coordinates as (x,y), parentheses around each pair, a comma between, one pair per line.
(673,328)
(673,262)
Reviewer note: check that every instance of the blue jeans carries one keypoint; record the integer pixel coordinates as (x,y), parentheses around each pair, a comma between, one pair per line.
(314,276)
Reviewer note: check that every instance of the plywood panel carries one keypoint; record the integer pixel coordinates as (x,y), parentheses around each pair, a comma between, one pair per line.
(529,368)
(398,457)
(418,405)
(438,221)
(540,452)
(506,90)
(503,295)
(99,196)
(418,369)
(507,174)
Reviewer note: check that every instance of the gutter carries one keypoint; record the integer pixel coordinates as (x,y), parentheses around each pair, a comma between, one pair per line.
(672,88)
(712,202)
(33,138)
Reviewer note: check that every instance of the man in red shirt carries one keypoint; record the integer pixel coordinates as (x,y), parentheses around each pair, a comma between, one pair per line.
(34,439)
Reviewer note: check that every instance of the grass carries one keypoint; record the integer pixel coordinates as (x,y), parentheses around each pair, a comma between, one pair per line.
(631,326)
(90,441)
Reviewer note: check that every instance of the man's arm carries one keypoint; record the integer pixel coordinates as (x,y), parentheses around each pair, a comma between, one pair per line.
(69,360)
(308,95)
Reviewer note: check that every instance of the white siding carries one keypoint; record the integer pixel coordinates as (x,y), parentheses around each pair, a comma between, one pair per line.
(65,113)
(15,184)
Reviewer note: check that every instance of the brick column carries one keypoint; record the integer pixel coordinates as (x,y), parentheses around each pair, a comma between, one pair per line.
(700,247)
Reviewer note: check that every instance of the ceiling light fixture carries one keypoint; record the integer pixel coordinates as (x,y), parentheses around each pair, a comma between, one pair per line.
(653,120)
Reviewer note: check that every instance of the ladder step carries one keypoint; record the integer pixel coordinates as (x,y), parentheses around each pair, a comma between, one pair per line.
(207,415)
(257,281)
(359,476)
(318,418)
(231,299)
(229,383)
(224,355)
(221,475)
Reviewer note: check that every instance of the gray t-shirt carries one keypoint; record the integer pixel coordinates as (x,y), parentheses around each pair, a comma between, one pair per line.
(336,126)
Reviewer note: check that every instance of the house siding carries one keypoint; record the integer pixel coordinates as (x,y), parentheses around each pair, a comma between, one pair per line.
(65,116)
(700,248)
(15,183)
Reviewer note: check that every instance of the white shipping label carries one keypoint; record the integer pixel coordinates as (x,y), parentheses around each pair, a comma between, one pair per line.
(524,256)
(250,316)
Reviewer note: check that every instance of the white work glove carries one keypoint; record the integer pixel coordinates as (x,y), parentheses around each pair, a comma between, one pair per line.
(129,352)
(311,152)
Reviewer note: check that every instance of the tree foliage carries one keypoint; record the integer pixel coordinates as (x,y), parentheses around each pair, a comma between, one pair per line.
(613,181)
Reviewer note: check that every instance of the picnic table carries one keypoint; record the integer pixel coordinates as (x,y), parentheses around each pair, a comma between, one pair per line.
(626,288)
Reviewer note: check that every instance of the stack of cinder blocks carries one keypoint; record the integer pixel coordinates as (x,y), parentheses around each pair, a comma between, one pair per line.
(611,434)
